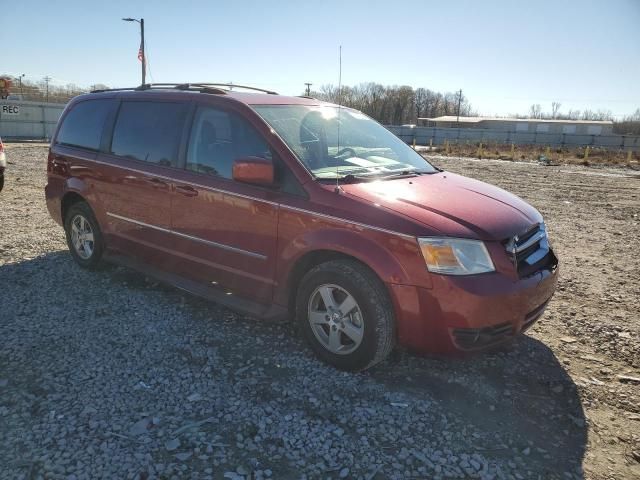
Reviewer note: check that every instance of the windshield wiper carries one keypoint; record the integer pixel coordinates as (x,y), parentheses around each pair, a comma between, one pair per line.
(402,174)
(408,174)
(349,178)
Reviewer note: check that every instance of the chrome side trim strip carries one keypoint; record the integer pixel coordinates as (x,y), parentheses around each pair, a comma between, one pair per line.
(190,237)
(137,222)
(351,222)
(201,260)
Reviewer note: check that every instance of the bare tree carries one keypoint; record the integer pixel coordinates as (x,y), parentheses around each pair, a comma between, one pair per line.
(630,125)
(634,117)
(535,111)
(555,109)
(597,115)
(420,99)
(572,115)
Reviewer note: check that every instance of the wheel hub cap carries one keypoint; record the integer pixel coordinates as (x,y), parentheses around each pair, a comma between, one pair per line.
(82,237)
(335,319)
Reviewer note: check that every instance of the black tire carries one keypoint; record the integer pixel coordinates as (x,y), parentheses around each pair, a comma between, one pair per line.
(93,261)
(377,314)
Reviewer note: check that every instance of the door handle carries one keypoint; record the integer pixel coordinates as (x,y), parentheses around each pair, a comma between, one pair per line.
(157,183)
(58,160)
(186,190)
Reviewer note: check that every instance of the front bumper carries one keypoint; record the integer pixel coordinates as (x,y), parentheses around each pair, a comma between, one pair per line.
(470,313)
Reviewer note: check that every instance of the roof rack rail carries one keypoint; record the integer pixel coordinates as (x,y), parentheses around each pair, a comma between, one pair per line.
(203,87)
(234,85)
(182,86)
(165,86)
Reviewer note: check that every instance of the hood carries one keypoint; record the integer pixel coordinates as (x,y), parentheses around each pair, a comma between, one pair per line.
(451,204)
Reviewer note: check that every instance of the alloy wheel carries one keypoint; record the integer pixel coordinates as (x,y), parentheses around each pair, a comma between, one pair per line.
(336,319)
(82,237)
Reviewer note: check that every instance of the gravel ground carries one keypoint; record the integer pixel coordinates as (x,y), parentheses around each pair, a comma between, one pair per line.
(109,375)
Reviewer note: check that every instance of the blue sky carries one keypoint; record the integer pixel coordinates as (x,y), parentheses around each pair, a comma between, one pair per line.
(505,55)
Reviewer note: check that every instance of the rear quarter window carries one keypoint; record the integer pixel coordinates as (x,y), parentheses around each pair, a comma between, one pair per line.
(82,127)
(149,131)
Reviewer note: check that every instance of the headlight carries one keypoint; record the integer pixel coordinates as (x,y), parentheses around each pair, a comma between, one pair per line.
(455,256)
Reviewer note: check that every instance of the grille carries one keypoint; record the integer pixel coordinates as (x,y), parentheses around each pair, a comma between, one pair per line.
(530,251)
(470,338)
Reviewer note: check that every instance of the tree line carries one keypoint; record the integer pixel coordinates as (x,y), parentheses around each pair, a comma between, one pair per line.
(535,111)
(629,125)
(43,90)
(396,105)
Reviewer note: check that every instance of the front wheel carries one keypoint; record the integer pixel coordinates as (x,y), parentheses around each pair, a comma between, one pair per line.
(345,313)
(84,237)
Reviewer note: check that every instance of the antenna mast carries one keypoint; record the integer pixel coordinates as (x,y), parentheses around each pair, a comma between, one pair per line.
(337,190)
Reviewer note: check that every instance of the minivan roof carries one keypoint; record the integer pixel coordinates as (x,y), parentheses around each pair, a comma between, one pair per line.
(262,99)
(248,98)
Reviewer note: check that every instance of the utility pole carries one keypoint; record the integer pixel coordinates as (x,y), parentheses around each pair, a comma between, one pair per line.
(459,102)
(142,56)
(46,81)
(20,82)
(308,92)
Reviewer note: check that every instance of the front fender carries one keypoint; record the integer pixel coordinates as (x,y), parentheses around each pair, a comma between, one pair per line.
(391,257)
(368,251)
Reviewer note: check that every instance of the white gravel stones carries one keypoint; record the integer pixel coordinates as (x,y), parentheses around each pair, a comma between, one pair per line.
(172,444)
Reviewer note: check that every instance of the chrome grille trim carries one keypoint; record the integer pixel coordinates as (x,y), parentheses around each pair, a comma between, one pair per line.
(534,239)
(529,248)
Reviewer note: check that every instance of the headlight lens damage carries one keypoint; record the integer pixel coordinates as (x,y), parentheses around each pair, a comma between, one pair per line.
(455,256)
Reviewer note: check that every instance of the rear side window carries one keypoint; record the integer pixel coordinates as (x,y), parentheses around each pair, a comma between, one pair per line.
(82,126)
(149,131)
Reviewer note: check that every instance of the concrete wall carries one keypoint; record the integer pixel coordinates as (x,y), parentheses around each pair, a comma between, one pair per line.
(438,136)
(34,120)
(533,126)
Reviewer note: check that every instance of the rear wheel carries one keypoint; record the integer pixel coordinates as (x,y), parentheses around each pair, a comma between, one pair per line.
(344,312)
(84,237)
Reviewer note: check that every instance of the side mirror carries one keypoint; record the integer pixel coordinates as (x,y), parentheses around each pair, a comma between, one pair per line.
(254,170)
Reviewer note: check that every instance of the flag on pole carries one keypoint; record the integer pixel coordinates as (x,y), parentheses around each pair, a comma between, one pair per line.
(141,53)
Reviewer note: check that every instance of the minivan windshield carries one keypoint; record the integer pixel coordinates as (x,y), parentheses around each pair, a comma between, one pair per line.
(337,142)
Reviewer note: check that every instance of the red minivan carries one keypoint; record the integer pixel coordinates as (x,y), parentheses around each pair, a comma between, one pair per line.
(283,207)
